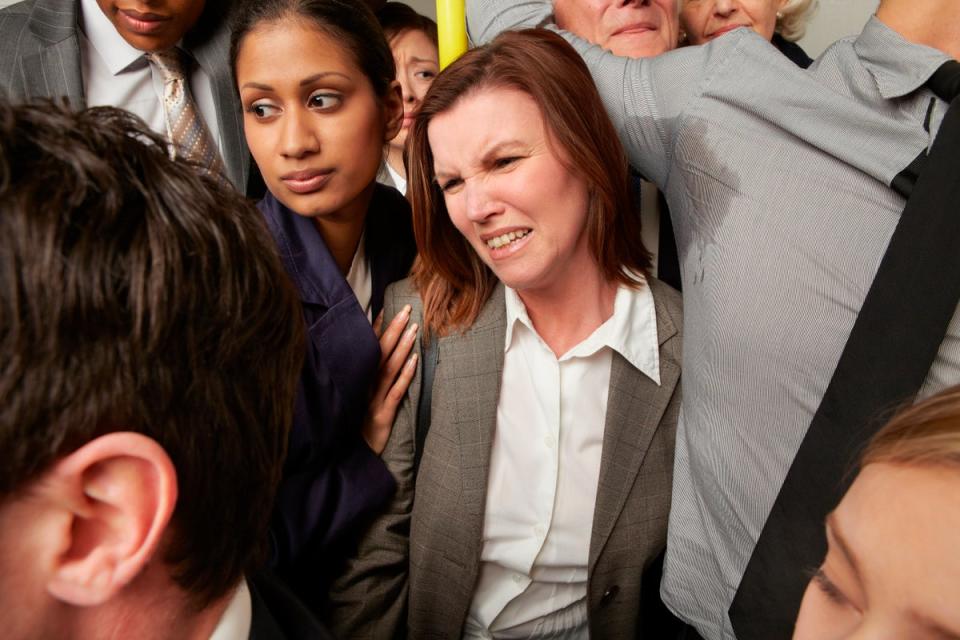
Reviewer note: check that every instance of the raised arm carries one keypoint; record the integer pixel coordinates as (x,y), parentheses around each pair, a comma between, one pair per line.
(644,98)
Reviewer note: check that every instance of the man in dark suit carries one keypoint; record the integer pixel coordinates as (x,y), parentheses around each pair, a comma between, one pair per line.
(130,54)
(150,346)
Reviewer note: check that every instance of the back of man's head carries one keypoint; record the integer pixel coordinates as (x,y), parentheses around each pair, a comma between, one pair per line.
(146,327)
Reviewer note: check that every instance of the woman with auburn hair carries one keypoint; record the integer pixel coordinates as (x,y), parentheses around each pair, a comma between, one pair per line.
(544,479)
(782,22)
(892,562)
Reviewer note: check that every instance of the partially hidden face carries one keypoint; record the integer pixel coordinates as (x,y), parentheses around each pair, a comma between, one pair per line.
(704,20)
(892,569)
(634,29)
(312,120)
(152,25)
(508,190)
(417,61)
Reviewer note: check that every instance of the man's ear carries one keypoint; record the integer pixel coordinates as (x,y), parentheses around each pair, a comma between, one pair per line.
(393,111)
(119,491)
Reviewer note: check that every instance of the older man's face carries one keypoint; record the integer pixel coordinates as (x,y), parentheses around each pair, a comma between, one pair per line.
(631,28)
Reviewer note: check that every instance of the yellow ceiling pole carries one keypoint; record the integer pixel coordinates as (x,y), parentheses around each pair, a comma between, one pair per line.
(451,30)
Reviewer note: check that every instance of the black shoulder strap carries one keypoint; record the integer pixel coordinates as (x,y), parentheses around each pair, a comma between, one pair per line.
(428,363)
(888,355)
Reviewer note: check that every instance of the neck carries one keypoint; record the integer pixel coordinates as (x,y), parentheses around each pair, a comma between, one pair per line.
(395,160)
(567,313)
(933,23)
(151,611)
(342,229)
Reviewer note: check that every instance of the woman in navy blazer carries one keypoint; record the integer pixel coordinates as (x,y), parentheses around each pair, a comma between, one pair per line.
(316,125)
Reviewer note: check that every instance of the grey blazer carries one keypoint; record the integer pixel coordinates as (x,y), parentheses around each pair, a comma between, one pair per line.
(418,563)
(40,58)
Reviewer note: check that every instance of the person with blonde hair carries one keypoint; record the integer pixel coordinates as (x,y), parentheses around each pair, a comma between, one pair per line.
(782,22)
(891,560)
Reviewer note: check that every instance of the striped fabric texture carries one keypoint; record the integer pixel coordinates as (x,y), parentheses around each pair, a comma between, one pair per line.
(778,182)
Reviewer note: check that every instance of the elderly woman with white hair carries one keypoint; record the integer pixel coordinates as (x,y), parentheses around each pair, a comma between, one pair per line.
(783,22)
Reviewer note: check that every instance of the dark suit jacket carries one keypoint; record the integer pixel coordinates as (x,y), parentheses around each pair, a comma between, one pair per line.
(278,614)
(417,567)
(333,483)
(40,58)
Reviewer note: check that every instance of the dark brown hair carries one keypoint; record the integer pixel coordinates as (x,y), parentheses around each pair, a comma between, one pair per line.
(352,24)
(396,18)
(138,295)
(453,281)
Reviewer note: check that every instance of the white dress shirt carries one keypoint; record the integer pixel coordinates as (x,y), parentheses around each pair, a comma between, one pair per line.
(360,279)
(116,74)
(545,468)
(399,181)
(237,618)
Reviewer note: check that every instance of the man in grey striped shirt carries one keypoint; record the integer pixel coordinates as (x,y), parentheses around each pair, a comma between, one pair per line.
(778,181)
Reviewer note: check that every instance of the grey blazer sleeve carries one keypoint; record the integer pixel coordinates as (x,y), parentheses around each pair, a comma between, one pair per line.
(369,600)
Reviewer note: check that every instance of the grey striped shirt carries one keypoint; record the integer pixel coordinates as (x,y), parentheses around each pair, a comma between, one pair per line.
(778,183)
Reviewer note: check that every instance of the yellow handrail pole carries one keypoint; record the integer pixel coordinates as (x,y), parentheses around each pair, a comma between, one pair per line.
(451,30)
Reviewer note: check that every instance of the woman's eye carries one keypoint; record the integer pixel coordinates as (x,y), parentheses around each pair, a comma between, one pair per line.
(501,163)
(830,589)
(263,110)
(451,186)
(324,101)
(425,75)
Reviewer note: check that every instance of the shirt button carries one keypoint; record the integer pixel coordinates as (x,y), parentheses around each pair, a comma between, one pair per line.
(539,531)
(517,578)
(548,440)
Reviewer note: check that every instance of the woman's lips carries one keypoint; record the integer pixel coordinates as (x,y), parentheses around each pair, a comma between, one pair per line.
(727,29)
(308,181)
(142,23)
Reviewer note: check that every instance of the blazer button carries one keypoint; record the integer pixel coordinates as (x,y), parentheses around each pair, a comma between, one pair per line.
(609,595)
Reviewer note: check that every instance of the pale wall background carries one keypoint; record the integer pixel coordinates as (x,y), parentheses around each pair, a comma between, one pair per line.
(835,19)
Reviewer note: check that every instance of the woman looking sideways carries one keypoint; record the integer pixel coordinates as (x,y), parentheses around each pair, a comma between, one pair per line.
(316,84)
(544,484)
(413,42)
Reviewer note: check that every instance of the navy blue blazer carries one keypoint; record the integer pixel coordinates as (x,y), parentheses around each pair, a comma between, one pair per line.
(333,484)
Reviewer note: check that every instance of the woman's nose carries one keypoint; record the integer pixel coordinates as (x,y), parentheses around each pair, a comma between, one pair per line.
(299,136)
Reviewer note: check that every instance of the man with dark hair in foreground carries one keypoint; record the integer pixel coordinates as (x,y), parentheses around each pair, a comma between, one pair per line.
(149,353)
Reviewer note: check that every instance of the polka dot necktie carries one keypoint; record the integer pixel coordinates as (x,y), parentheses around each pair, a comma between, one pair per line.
(185,127)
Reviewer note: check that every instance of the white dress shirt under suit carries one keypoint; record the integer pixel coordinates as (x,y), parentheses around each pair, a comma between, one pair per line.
(544,470)
(116,74)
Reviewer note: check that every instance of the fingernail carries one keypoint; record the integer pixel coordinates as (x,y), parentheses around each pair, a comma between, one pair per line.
(412,331)
(407,309)
(412,360)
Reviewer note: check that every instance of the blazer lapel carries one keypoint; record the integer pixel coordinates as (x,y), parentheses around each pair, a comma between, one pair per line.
(635,405)
(474,362)
(55,71)
(209,43)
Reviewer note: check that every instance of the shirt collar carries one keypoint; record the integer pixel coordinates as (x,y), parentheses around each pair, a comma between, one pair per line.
(398,180)
(237,618)
(116,53)
(631,331)
(898,66)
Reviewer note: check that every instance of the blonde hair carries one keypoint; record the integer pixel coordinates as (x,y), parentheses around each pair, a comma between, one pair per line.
(927,433)
(792,19)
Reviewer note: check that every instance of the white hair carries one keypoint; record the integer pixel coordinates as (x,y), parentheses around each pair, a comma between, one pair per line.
(792,19)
